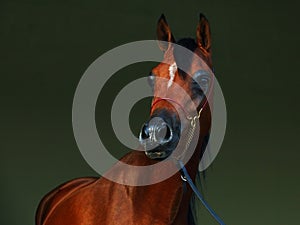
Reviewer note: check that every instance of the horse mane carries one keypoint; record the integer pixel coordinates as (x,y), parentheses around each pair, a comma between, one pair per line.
(188,43)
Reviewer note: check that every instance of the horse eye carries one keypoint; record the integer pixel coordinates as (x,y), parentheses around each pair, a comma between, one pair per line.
(203,80)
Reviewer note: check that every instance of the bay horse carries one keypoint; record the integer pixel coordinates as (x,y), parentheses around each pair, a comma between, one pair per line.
(95,201)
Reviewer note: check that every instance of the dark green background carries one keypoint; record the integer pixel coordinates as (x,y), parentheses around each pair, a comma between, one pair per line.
(45,46)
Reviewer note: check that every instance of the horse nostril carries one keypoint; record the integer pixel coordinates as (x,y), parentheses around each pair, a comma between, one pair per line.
(168,134)
(163,134)
(145,132)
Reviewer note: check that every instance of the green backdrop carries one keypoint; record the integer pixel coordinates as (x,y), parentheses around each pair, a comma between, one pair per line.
(45,46)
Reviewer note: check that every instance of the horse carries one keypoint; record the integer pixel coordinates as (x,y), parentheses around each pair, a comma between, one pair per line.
(91,200)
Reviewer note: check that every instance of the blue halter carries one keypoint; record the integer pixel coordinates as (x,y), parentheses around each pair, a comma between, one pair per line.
(186,178)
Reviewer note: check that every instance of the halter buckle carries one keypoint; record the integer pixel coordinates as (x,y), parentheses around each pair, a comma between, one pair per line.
(183,178)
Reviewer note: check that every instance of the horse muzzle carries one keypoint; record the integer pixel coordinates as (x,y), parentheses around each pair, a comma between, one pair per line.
(158,138)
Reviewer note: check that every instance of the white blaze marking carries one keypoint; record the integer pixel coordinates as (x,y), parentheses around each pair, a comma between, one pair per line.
(172,71)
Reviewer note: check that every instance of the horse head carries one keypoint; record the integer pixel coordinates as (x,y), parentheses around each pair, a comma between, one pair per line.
(161,133)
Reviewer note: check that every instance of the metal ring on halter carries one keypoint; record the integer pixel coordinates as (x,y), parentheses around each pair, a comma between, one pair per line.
(183,178)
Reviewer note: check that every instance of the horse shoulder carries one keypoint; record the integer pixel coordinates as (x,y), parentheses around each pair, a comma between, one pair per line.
(58,195)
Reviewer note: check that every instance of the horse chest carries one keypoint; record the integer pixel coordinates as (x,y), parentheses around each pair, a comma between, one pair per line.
(151,205)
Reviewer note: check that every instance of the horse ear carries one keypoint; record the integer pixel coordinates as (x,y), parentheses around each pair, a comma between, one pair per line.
(203,34)
(164,33)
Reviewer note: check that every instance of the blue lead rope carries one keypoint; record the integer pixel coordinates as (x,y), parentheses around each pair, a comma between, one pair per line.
(198,194)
